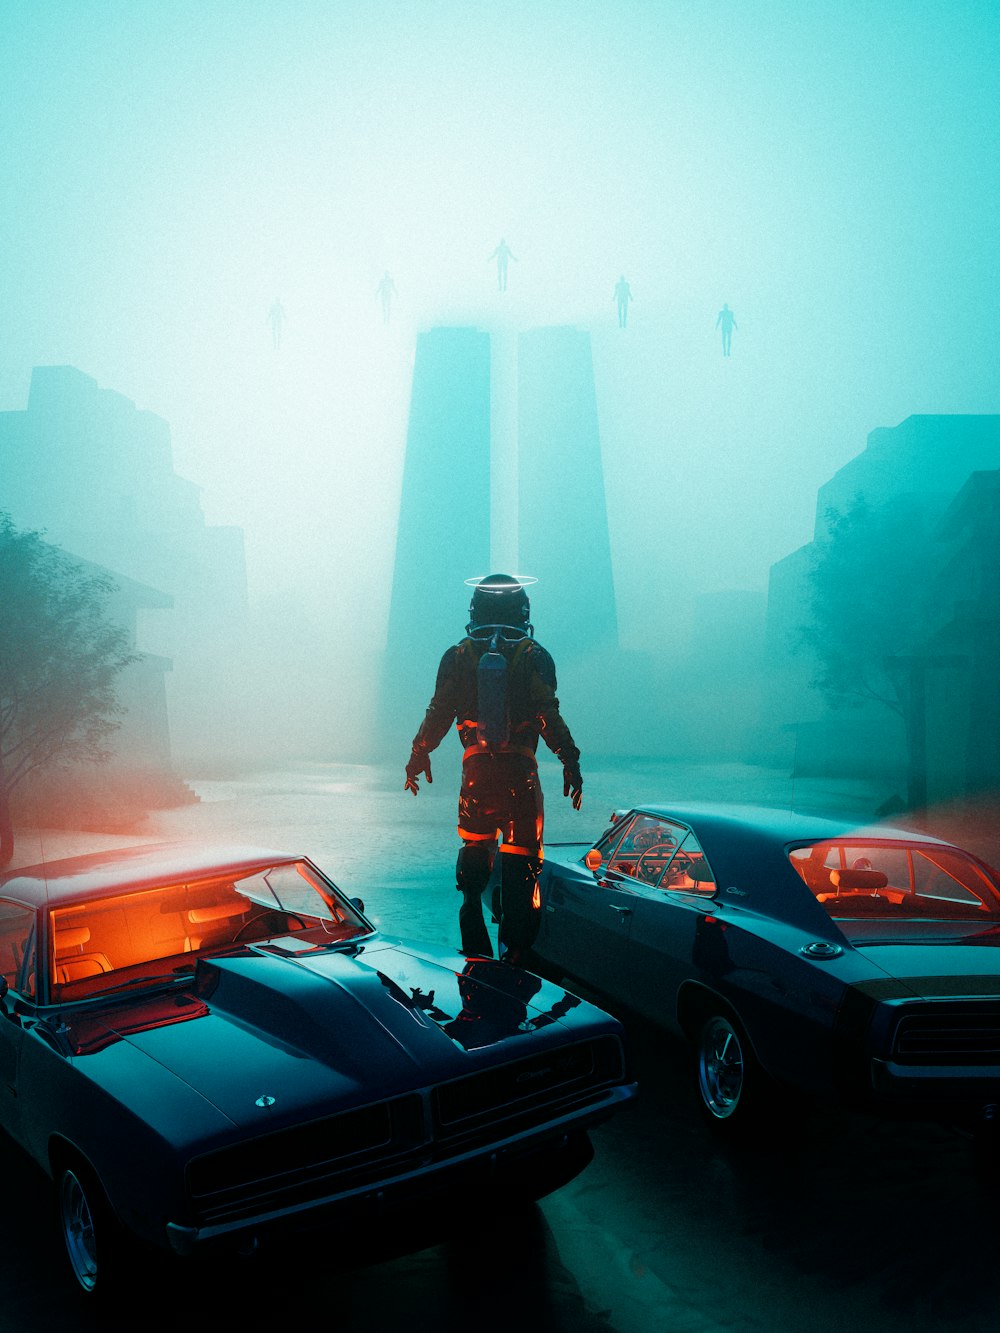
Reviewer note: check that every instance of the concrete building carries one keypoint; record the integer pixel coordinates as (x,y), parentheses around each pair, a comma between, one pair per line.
(142,741)
(502,471)
(918,467)
(563,536)
(962,691)
(444,521)
(84,465)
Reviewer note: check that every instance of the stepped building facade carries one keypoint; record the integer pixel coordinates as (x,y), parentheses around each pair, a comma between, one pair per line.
(95,474)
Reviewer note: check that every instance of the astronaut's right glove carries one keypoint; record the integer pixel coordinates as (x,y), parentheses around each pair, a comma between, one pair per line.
(573,784)
(420,762)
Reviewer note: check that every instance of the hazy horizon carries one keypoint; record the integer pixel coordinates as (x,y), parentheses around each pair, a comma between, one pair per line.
(830,173)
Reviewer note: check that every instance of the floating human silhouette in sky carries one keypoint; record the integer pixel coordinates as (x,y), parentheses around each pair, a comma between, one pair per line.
(502,254)
(623,294)
(276,321)
(727,322)
(385,291)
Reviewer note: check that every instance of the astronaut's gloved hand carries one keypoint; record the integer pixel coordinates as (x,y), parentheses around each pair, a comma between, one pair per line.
(573,784)
(420,762)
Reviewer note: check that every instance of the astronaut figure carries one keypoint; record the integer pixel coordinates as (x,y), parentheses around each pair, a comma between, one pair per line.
(499,686)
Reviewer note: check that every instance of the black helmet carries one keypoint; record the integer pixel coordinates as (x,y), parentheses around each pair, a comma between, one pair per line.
(499,599)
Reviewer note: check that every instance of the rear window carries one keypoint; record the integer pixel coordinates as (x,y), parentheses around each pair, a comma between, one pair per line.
(896,880)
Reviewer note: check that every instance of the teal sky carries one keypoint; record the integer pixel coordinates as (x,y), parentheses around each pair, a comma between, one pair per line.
(829,170)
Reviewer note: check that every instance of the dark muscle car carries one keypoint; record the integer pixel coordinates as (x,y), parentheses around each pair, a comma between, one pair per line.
(796,955)
(201,1047)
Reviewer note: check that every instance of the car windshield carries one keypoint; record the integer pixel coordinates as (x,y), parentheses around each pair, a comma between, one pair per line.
(898,881)
(152,934)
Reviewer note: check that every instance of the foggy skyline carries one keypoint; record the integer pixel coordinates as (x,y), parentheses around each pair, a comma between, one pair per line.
(828,173)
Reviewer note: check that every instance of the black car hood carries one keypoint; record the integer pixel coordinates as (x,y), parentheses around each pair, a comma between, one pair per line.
(268,1033)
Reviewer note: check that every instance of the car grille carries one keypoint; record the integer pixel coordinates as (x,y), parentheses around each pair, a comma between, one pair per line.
(961,1036)
(520,1090)
(309,1162)
(296,1165)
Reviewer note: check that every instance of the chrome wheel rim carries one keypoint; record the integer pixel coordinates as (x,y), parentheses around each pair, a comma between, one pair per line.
(78,1231)
(721,1070)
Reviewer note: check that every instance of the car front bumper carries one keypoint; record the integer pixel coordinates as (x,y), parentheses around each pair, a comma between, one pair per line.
(933,1089)
(527,1164)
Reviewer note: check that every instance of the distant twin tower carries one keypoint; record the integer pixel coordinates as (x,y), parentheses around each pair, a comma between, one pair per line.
(503,472)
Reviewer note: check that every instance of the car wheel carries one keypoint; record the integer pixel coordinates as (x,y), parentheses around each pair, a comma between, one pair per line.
(733,1090)
(94,1240)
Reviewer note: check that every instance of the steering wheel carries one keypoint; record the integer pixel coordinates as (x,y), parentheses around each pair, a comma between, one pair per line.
(662,849)
(646,839)
(270,911)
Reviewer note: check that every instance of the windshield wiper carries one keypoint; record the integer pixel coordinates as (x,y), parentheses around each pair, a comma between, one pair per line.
(178,974)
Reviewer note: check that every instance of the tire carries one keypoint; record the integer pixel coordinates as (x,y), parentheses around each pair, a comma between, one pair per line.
(734,1093)
(96,1244)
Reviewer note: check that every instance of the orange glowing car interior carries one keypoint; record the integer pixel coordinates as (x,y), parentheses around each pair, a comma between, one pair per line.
(880,879)
(154,925)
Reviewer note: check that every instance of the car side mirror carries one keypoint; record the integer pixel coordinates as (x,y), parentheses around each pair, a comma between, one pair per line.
(593,860)
(359,903)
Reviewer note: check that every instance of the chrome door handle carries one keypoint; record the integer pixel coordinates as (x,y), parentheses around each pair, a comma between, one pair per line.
(622,911)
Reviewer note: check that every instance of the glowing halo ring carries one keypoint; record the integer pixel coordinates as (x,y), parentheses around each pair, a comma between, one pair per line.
(479,581)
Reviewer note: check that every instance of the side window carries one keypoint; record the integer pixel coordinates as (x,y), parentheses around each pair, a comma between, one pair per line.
(833,869)
(609,843)
(895,882)
(893,862)
(688,870)
(645,849)
(16,922)
(944,876)
(658,853)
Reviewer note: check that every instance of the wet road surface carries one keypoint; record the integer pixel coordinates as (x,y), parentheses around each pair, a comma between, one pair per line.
(853,1225)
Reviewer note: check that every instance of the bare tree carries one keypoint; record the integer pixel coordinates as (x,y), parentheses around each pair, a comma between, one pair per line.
(60,655)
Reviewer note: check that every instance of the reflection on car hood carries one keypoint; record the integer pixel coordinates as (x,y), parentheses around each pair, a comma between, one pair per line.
(326,1027)
(959,967)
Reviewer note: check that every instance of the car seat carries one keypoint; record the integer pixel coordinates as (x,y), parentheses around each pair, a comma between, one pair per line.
(71,963)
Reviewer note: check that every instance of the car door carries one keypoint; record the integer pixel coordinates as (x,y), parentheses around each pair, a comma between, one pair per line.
(589,909)
(674,931)
(586,925)
(16,967)
(668,932)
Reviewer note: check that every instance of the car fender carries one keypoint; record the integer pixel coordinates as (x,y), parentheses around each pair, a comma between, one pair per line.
(790,1045)
(135,1157)
(696,1001)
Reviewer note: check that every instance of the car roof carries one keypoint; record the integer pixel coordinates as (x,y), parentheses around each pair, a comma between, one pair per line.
(781,825)
(747,849)
(98,874)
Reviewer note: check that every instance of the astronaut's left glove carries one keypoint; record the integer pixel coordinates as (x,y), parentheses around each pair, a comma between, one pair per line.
(420,762)
(573,784)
